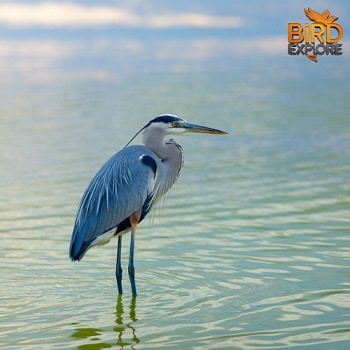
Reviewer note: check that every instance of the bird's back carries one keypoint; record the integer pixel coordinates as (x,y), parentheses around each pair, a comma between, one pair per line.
(123,185)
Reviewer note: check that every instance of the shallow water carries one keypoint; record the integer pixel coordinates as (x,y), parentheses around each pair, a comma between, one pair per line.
(250,250)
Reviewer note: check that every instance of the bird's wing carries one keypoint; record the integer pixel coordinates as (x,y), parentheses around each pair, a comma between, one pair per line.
(313,15)
(121,187)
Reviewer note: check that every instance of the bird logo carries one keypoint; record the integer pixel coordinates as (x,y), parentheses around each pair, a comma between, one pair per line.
(321,37)
(324,17)
(316,17)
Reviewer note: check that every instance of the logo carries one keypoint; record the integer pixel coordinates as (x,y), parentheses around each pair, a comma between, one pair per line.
(321,37)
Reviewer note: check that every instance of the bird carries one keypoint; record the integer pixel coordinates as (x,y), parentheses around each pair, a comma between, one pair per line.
(323,17)
(127,186)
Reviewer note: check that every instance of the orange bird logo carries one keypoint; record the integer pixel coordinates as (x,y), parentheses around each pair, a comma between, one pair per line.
(324,17)
(321,37)
(316,17)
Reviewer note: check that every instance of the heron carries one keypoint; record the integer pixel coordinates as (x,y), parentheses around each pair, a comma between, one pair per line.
(127,186)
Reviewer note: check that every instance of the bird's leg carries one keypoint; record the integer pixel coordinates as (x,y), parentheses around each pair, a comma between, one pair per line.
(131,268)
(134,220)
(118,266)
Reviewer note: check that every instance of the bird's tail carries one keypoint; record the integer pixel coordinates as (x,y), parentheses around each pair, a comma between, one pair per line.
(78,246)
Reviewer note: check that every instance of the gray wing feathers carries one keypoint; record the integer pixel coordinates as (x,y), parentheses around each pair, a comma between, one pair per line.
(120,188)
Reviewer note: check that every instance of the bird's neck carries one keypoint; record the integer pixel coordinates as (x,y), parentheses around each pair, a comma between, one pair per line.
(171,161)
(157,145)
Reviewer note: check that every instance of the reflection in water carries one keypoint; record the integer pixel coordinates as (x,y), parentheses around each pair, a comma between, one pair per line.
(121,328)
(90,333)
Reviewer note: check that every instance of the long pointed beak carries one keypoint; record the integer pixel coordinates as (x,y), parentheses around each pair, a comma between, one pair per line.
(201,129)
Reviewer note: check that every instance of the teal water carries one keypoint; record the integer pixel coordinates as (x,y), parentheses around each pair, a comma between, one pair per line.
(250,250)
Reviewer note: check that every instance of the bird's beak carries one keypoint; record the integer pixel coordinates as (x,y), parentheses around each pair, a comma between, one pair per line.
(201,129)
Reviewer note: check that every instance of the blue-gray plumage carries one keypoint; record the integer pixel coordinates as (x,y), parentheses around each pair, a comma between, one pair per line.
(127,186)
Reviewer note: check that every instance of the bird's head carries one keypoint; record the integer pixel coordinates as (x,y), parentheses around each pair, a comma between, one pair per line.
(171,124)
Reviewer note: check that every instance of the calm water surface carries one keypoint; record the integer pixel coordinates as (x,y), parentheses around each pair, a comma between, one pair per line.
(250,250)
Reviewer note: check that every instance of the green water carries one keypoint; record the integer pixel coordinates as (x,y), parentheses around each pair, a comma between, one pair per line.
(250,250)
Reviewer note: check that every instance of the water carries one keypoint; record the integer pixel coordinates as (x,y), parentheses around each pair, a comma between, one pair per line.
(250,250)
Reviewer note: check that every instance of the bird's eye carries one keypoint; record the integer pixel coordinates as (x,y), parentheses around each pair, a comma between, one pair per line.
(174,124)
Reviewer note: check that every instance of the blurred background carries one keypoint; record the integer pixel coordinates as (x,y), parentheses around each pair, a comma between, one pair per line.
(103,40)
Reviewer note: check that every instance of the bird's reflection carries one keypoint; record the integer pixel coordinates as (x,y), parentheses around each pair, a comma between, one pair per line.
(122,328)
(125,330)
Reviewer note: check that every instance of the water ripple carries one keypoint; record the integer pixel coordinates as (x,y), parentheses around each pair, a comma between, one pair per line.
(250,250)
